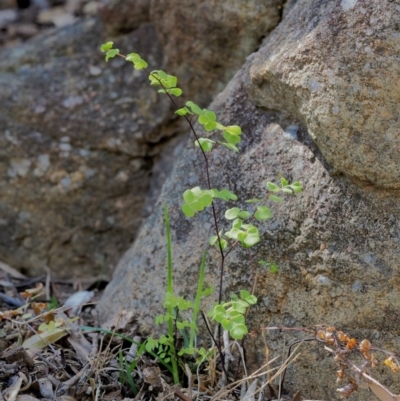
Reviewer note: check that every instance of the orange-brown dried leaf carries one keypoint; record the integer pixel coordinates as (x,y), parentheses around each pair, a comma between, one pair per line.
(347,390)
(365,346)
(342,336)
(367,356)
(351,343)
(329,338)
(321,335)
(391,363)
(38,307)
(331,329)
(32,291)
(49,317)
(9,314)
(340,374)
(374,361)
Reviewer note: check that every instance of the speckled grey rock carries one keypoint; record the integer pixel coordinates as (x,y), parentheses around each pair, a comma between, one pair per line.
(335,66)
(122,16)
(336,244)
(78,138)
(206,42)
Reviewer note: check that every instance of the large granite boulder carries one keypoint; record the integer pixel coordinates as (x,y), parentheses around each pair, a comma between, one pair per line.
(206,42)
(82,140)
(335,66)
(336,243)
(78,140)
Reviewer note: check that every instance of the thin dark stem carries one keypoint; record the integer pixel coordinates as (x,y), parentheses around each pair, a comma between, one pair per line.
(214,212)
(207,169)
(217,344)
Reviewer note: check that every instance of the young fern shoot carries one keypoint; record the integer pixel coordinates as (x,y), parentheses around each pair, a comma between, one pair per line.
(244,231)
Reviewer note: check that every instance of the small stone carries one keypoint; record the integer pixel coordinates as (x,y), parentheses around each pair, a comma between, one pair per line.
(313,85)
(19,167)
(56,16)
(323,280)
(357,286)
(66,182)
(122,176)
(88,172)
(291,131)
(6,17)
(91,8)
(65,147)
(72,101)
(42,165)
(95,71)
(348,4)
(39,109)
(23,30)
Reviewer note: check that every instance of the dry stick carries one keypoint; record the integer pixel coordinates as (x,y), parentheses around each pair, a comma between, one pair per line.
(180,395)
(234,385)
(228,356)
(48,282)
(373,384)
(288,356)
(67,384)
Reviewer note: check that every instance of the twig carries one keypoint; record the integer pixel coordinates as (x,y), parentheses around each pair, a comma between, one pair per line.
(67,384)
(181,396)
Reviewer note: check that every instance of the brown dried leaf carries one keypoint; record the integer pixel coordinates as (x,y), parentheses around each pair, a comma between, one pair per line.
(351,343)
(9,314)
(49,317)
(329,338)
(32,291)
(347,390)
(38,307)
(342,336)
(365,345)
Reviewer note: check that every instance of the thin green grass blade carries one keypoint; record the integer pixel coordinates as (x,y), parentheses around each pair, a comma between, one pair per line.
(197,301)
(171,332)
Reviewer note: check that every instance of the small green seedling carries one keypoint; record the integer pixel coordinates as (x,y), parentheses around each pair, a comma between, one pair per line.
(244,229)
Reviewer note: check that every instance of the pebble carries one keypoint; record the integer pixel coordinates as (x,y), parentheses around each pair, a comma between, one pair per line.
(95,71)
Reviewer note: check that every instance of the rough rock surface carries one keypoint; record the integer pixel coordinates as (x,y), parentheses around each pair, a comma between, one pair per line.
(78,138)
(122,16)
(335,65)
(206,42)
(336,244)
